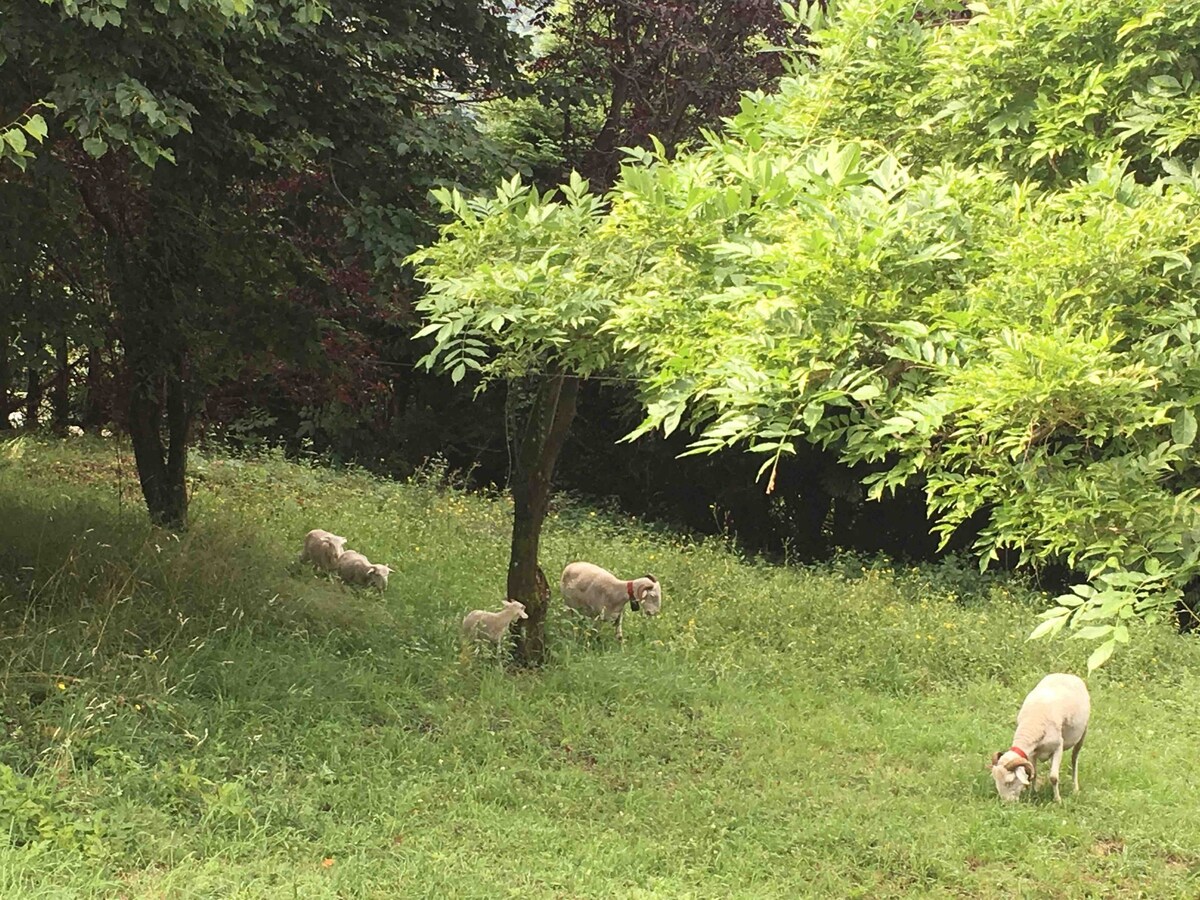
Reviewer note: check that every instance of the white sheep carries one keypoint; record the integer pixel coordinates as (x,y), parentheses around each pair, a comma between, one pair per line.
(599,594)
(1053,718)
(480,623)
(322,549)
(354,568)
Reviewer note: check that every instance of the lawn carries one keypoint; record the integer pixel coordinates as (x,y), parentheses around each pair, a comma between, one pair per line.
(197,717)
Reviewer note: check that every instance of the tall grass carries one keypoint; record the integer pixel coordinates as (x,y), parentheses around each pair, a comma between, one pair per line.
(199,717)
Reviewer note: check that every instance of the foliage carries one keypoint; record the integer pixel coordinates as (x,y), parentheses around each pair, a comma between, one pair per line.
(1043,90)
(528,296)
(853,268)
(172,121)
(609,73)
(1049,88)
(14,136)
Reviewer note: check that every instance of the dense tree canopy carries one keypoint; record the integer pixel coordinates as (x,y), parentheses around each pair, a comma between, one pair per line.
(166,130)
(964,253)
(609,73)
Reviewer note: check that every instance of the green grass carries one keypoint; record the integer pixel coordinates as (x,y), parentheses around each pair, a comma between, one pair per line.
(193,718)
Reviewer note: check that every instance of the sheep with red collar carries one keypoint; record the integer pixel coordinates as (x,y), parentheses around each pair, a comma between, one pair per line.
(1053,718)
(599,594)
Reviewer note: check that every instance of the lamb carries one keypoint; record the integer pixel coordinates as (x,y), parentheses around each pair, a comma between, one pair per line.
(354,568)
(1053,718)
(479,623)
(322,549)
(597,593)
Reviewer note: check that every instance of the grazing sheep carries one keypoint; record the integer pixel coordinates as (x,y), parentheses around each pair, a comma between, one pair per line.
(322,549)
(354,568)
(1053,718)
(480,623)
(599,594)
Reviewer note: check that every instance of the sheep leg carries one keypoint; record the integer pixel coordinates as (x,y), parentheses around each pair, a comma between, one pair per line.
(1055,762)
(620,634)
(1075,761)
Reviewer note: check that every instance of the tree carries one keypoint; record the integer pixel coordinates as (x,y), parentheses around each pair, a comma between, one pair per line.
(164,119)
(610,73)
(526,314)
(903,279)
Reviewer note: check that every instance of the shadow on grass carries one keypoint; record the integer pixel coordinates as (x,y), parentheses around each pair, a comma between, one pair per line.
(86,586)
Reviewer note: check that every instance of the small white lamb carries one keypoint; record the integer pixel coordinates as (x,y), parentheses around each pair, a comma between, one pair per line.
(480,623)
(322,549)
(599,594)
(354,568)
(1053,718)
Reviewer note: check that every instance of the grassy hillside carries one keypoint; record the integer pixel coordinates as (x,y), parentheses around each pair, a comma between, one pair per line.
(193,718)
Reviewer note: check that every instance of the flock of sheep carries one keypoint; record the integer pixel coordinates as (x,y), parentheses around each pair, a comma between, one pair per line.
(1052,720)
(587,588)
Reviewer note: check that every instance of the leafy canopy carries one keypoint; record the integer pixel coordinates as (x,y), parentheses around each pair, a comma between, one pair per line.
(944,250)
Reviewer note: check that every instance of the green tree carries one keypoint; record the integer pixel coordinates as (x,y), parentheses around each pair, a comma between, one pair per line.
(607,74)
(166,118)
(1002,312)
(522,310)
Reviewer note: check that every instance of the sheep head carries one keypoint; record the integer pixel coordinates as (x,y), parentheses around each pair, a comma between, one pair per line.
(517,608)
(377,576)
(649,596)
(1011,773)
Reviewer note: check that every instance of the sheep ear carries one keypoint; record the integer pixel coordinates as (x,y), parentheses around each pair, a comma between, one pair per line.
(1022,775)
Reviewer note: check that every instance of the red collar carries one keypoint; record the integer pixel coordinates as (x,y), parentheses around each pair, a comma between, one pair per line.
(1017,750)
(629,589)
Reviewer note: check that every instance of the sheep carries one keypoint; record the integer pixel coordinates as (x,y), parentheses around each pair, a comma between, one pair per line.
(322,549)
(1053,718)
(479,623)
(354,568)
(599,594)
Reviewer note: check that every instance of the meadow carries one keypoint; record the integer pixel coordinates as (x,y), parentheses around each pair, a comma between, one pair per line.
(195,716)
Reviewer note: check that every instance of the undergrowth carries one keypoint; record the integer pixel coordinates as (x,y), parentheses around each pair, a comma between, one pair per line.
(201,717)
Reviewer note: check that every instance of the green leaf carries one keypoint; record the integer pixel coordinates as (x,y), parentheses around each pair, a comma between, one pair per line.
(36,126)
(95,146)
(1091,632)
(1183,429)
(1049,627)
(459,373)
(427,330)
(1100,655)
(15,139)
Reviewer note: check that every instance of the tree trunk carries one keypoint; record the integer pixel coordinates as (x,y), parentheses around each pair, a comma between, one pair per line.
(601,161)
(546,432)
(93,409)
(162,469)
(154,350)
(5,385)
(33,387)
(60,398)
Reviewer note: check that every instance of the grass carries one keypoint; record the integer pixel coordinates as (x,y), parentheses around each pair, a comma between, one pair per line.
(193,717)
